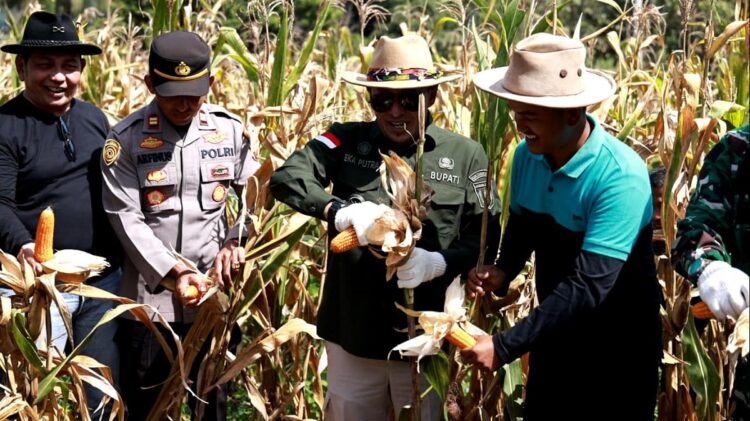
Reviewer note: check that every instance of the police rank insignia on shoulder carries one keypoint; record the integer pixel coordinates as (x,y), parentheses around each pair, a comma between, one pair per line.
(110,151)
(219,193)
(215,137)
(153,121)
(151,143)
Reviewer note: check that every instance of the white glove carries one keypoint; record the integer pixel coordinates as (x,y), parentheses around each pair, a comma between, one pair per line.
(422,266)
(724,289)
(361,216)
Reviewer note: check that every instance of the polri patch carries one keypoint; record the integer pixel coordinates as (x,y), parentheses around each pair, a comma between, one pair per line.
(111,151)
(220,192)
(155,197)
(151,143)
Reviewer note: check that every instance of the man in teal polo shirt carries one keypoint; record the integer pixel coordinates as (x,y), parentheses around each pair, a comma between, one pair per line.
(581,201)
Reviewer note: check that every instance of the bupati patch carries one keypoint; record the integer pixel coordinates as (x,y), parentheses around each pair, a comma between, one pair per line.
(219,171)
(446,163)
(220,192)
(111,151)
(155,197)
(156,176)
(215,137)
(151,143)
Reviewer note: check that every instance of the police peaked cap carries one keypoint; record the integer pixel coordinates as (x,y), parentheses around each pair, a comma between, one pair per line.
(179,64)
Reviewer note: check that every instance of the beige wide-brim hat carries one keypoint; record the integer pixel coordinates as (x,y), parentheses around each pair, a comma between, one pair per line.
(400,63)
(549,71)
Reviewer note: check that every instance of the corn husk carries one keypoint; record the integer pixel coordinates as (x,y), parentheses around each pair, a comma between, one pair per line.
(436,324)
(75,266)
(397,232)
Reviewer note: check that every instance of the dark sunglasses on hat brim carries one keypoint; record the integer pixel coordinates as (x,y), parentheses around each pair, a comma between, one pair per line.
(408,99)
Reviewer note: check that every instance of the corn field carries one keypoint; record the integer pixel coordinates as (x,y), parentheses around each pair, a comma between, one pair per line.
(671,106)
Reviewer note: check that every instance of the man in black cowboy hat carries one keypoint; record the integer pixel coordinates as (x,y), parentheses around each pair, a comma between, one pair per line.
(50,143)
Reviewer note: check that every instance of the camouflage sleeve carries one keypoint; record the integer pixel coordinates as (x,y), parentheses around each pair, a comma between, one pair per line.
(701,234)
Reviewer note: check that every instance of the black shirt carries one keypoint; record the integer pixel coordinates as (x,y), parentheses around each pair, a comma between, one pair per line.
(35,173)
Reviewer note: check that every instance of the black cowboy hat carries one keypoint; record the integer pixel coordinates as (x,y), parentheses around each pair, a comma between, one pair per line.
(48,31)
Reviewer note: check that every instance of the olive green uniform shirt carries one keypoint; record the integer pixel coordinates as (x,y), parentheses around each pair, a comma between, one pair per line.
(357,310)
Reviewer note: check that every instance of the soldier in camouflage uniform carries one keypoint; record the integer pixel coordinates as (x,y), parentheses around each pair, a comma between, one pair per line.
(712,248)
(358,318)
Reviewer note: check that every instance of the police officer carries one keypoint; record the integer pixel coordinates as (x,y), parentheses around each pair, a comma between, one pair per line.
(47,141)
(580,200)
(712,248)
(167,169)
(357,317)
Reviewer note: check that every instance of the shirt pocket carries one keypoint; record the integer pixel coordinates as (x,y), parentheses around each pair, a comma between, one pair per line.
(158,186)
(215,179)
(445,212)
(357,187)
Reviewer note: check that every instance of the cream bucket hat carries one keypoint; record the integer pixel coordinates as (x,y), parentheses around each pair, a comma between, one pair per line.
(549,71)
(400,63)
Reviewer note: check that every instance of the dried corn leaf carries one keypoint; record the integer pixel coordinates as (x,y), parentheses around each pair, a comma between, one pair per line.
(246,356)
(722,39)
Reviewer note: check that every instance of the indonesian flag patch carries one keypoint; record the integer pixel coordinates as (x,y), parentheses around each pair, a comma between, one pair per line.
(329,139)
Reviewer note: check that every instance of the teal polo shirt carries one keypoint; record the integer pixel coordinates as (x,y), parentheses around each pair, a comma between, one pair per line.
(588,224)
(603,192)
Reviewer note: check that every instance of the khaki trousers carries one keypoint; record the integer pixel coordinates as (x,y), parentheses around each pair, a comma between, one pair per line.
(364,389)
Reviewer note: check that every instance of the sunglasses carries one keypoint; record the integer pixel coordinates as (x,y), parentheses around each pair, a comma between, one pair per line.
(382,102)
(68,146)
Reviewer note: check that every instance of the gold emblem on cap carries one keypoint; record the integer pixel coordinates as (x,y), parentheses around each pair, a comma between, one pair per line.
(111,151)
(182,69)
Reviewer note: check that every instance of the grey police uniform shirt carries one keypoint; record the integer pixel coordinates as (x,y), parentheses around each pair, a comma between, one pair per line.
(165,191)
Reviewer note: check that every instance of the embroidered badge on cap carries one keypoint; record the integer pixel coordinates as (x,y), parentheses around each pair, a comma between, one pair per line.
(151,143)
(182,69)
(446,163)
(155,197)
(111,151)
(219,171)
(219,193)
(215,137)
(156,176)
(153,121)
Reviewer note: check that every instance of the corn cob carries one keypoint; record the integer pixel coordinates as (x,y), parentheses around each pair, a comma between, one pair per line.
(701,311)
(460,338)
(45,231)
(191,292)
(345,241)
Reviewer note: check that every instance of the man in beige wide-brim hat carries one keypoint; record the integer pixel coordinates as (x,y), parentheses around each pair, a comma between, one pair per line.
(580,200)
(357,317)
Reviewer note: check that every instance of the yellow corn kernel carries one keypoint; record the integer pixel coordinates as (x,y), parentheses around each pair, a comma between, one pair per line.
(45,232)
(460,338)
(701,311)
(345,241)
